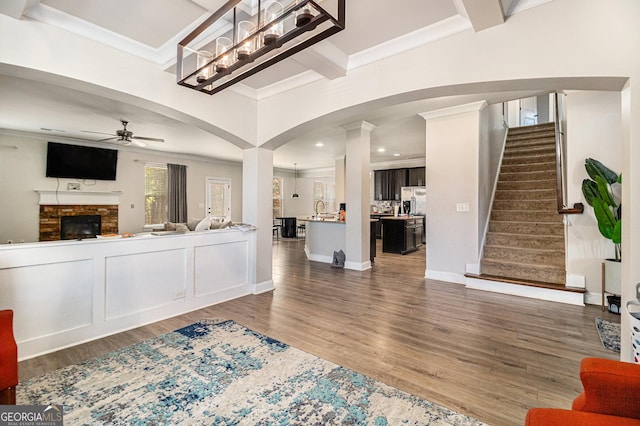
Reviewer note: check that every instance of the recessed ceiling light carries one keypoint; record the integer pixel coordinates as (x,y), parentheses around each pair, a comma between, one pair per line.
(396,155)
(380,149)
(319,144)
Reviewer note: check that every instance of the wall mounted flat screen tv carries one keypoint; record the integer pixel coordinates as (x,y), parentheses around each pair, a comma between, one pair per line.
(81,162)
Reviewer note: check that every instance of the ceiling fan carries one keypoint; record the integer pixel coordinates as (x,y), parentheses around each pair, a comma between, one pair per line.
(125,137)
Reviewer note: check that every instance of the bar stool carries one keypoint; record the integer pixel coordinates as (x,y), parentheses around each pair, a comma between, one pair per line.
(302,229)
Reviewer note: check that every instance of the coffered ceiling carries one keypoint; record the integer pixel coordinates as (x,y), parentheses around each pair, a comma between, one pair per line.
(151,29)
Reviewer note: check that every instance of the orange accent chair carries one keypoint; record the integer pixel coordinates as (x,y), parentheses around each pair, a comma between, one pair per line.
(611,396)
(8,359)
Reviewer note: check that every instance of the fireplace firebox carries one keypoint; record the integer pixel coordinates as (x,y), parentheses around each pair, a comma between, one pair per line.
(80,227)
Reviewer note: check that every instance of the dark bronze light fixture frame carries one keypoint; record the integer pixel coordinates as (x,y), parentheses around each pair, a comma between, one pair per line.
(322,22)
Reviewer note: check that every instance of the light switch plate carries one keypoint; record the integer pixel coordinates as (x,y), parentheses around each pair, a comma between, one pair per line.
(462,207)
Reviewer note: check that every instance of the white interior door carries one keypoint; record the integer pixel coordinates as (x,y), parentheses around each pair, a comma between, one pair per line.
(528,111)
(219,197)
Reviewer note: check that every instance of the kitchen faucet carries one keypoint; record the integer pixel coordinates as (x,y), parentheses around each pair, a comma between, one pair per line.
(323,207)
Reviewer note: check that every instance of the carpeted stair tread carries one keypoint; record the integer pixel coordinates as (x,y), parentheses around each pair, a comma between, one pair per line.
(531,128)
(507,205)
(525,255)
(539,216)
(527,184)
(506,239)
(529,146)
(549,166)
(512,227)
(533,194)
(535,138)
(526,159)
(541,175)
(546,273)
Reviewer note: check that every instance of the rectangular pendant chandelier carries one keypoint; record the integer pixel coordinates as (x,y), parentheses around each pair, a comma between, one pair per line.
(244,37)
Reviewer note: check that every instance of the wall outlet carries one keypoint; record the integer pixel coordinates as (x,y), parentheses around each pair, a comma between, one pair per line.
(178,294)
(73,186)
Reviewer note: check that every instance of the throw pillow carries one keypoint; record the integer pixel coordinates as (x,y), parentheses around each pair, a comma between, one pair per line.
(182,227)
(203,225)
(169,226)
(192,223)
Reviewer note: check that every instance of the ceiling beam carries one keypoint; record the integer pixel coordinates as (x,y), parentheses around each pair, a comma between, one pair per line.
(325,59)
(16,8)
(483,14)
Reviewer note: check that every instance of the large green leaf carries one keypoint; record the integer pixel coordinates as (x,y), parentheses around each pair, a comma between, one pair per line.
(617,233)
(595,168)
(604,216)
(605,192)
(590,191)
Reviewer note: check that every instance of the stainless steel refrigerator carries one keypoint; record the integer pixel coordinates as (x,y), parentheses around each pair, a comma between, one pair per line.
(416,196)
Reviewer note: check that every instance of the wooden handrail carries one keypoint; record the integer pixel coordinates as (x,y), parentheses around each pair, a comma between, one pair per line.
(577,208)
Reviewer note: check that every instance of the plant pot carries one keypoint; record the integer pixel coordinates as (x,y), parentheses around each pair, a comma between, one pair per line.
(614,304)
(613,276)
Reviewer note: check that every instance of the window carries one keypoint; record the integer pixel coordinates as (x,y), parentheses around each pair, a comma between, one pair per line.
(327,193)
(277,197)
(155,194)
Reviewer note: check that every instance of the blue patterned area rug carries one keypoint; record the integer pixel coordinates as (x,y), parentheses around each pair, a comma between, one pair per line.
(221,373)
(609,333)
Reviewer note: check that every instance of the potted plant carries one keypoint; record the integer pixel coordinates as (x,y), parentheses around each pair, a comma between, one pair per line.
(602,193)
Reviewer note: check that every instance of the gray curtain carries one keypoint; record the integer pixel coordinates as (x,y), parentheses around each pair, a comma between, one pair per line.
(177,193)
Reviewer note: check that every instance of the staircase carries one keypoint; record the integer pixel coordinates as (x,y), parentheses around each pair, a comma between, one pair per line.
(525,239)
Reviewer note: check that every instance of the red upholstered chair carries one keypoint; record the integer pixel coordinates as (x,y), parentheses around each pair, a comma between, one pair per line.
(8,359)
(611,396)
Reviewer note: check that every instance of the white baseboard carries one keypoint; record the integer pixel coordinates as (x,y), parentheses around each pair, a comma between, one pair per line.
(358,266)
(263,287)
(568,297)
(451,277)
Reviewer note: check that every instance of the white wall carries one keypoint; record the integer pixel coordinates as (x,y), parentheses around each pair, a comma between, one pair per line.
(594,129)
(22,171)
(452,178)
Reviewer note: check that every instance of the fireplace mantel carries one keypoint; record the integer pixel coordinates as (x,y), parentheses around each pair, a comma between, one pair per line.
(53,198)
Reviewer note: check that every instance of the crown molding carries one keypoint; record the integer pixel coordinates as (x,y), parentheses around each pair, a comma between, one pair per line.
(434,32)
(359,125)
(458,109)
(164,55)
(523,5)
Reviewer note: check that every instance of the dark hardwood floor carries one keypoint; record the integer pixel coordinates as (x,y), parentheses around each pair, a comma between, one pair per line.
(486,355)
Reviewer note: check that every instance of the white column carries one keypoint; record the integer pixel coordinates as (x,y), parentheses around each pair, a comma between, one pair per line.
(257,206)
(452,147)
(340,180)
(357,195)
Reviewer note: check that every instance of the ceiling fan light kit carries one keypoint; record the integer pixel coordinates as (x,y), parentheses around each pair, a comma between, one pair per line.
(244,37)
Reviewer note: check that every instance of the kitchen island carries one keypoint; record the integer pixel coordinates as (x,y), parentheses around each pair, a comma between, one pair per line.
(323,237)
(402,234)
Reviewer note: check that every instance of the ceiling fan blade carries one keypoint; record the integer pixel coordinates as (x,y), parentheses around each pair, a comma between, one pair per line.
(106,139)
(147,139)
(97,133)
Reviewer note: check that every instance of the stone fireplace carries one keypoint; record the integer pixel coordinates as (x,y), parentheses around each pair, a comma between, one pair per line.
(54,206)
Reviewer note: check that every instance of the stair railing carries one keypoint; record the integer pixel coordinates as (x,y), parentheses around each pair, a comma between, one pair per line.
(561,186)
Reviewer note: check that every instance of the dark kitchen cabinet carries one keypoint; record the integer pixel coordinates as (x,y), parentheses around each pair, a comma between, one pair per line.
(416,176)
(402,235)
(388,183)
